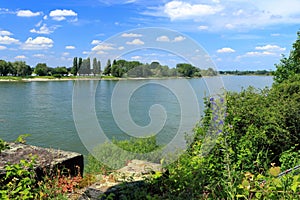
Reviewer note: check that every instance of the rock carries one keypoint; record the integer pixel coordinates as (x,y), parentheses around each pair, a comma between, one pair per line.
(130,177)
(47,160)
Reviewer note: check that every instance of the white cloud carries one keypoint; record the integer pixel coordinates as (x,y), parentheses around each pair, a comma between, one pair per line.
(179,39)
(136,57)
(39,55)
(229,26)
(275,34)
(163,38)
(183,10)
(65,54)
(4,32)
(3,47)
(44,29)
(85,52)
(231,14)
(226,50)
(38,43)
(70,47)
(96,42)
(8,40)
(270,48)
(103,47)
(136,42)
(45,17)
(121,48)
(202,27)
(20,57)
(257,53)
(27,13)
(60,15)
(131,35)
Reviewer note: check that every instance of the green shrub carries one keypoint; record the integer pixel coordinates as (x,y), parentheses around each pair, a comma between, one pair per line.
(115,154)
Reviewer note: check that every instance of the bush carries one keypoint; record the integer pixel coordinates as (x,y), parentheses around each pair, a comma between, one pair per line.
(115,154)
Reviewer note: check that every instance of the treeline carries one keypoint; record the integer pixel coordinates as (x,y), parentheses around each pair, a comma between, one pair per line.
(123,68)
(247,72)
(20,68)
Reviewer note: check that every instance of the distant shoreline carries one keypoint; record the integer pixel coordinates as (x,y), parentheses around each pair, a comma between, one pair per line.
(40,79)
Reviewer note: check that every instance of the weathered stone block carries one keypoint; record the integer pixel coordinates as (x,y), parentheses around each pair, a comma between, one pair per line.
(47,160)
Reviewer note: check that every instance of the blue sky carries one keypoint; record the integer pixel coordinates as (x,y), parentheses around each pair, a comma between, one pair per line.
(236,34)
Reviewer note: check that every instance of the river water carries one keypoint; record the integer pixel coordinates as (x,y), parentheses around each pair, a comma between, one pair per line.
(44,108)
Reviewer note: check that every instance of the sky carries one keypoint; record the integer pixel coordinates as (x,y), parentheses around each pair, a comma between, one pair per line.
(234,34)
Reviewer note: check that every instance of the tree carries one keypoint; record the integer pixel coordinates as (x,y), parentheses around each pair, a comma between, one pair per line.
(85,68)
(4,68)
(107,69)
(186,70)
(60,70)
(41,69)
(96,66)
(21,69)
(289,66)
(79,64)
(74,69)
(117,69)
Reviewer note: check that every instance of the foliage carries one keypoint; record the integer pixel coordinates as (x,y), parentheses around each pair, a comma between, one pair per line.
(114,155)
(289,66)
(3,145)
(19,181)
(21,138)
(41,69)
(261,128)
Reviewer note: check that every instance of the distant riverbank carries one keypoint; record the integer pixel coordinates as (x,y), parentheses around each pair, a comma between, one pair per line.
(51,78)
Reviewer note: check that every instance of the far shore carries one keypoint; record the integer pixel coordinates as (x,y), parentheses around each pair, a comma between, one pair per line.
(19,79)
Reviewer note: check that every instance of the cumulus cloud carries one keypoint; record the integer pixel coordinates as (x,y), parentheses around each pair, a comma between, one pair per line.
(202,27)
(70,47)
(3,47)
(37,43)
(60,15)
(96,42)
(121,48)
(179,39)
(27,13)
(20,57)
(163,38)
(8,40)
(257,53)
(226,50)
(183,10)
(44,29)
(270,48)
(39,55)
(136,57)
(4,32)
(135,42)
(131,35)
(103,47)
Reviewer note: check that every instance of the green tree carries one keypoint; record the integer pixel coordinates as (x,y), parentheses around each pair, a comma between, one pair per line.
(289,66)
(85,68)
(60,70)
(4,68)
(74,69)
(117,69)
(41,69)
(79,64)
(186,70)
(96,66)
(107,69)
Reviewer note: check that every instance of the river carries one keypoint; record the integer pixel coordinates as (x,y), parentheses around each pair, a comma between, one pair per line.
(44,108)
